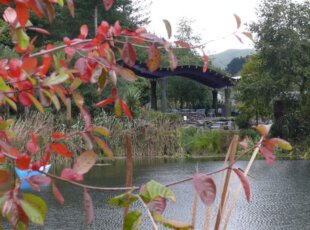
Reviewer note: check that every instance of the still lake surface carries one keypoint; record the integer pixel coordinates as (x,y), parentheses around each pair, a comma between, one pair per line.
(280,195)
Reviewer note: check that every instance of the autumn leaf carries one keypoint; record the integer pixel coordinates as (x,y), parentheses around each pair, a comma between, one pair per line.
(263,129)
(205,187)
(129,54)
(4,176)
(61,150)
(245,183)
(153,58)
(126,109)
(23,161)
(108,4)
(85,162)
(168,27)
(22,12)
(105,148)
(70,174)
(268,154)
(71,7)
(205,62)
(58,196)
(238,20)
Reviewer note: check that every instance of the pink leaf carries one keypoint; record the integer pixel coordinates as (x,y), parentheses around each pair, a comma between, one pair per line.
(108,4)
(58,196)
(245,183)
(205,187)
(268,154)
(158,205)
(86,118)
(83,31)
(70,174)
(33,185)
(245,143)
(88,208)
(129,54)
(126,109)
(85,162)
(205,62)
(40,179)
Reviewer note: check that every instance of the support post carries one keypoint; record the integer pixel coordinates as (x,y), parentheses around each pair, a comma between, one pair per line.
(153,94)
(227,111)
(96,19)
(214,101)
(163,89)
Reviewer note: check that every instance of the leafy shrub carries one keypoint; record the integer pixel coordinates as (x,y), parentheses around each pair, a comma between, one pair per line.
(243,120)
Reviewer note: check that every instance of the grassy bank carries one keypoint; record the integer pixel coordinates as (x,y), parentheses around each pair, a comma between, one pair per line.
(153,135)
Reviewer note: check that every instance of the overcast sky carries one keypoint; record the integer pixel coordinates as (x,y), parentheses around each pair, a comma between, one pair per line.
(213,19)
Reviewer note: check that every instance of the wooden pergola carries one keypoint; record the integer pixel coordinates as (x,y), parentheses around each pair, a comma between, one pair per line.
(210,78)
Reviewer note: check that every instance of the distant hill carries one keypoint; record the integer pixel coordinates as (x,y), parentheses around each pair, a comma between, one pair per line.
(221,60)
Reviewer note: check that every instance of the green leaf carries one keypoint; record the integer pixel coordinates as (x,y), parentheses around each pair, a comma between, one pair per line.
(11,103)
(55,80)
(117,108)
(36,103)
(6,124)
(78,99)
(123,200)
(22,38)
(171,223)
(105,148)
(3,86)
(60,3)
(75,84)
(132,220)
(102,131)
(34,207)
(153,190)
(53,98)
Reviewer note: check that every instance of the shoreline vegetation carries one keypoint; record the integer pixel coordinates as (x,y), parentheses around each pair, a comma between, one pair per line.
(153,134)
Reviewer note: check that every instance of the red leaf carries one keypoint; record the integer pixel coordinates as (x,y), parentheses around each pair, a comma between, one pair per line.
(157,205)
(126,110)
(117,28)
(61,150)
(23,161)
(39,30)
(205,62)
(245,183)
(105,102)
(71,7)
(108,4)
(70,174)
(5,2)
(22,12)
(29,64)
(269,155)
(58,196)
(85,162)
(182,44)
(88,208)
(40,179)
(46,64)
(70,51)
(153,59)
(129,54)
(47,156)
(57,135)
(86,118)
(32,146)
(4,176)
(15,67)
(83,31)
(24,99)
(273,142)
(205,187)
(36,166)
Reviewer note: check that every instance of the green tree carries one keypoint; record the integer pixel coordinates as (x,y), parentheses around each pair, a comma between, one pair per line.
(129,13)
(236,65)
(252,92)
(283,33)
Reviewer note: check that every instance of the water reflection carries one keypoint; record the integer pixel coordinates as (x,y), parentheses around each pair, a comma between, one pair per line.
(279,200)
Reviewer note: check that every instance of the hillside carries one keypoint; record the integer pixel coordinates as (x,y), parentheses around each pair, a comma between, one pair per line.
(221,60)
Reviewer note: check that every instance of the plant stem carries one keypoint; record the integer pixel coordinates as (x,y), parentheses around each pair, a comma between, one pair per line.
(148,213)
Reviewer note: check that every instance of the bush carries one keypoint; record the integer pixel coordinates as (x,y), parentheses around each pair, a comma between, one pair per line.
(243,121)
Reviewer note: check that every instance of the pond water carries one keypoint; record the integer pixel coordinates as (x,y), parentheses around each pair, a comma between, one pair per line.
(280,195)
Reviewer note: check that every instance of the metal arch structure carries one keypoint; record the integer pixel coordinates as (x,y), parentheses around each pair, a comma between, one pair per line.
(210,78)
